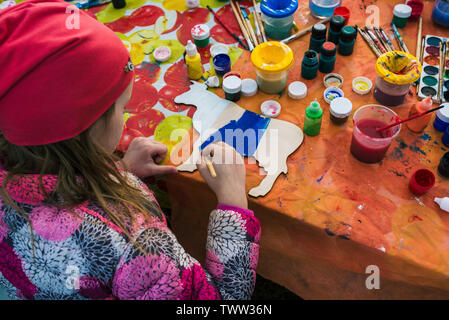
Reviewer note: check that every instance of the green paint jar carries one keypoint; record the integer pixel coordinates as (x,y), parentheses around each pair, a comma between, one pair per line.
(200,34)
(312,121)
(401,13)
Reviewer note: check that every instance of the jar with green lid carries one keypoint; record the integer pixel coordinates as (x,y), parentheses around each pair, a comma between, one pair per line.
(312,121)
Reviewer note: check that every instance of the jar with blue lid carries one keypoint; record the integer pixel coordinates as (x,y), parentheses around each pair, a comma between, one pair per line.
(441,122)
(277,17)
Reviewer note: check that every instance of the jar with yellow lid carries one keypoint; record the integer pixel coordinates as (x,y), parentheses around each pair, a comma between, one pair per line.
(396,72)
(272,60)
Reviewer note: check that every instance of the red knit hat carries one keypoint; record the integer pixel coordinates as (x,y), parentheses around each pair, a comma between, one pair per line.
(56,80)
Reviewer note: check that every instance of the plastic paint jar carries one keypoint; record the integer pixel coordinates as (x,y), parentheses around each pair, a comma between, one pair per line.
(200,34)
(318,37)
(441,122)
(232,86)
(336,24)
(340,110)
(277,17)
(272,60)
(323,8)
(401,13)
(443,167)
(396,72)
(222,64)
(347,41)
(327,57)
(367,144)
(344,12)
(309,65)
(313,118)
(421,181)
(417,8)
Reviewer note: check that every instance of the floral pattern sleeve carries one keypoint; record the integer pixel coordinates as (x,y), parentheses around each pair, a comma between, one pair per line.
(157,267)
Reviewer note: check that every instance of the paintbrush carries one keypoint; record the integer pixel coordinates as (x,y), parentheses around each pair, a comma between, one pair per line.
(399,38)
(442,61)
(387,39)
(369,42)
(303,32)
(211,168)
(236,37)
(381,38)
(242,27)
(256,24)
(259,17)
(376,41)
(423,39)
(410,118)
(418,38)
(249,25)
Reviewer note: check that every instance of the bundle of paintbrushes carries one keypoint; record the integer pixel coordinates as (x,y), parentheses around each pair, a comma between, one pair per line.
(253,38)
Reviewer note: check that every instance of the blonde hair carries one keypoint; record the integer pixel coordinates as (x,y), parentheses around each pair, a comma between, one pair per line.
(84,173)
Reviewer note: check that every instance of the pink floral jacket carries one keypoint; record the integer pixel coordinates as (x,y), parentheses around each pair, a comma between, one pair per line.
(88,257)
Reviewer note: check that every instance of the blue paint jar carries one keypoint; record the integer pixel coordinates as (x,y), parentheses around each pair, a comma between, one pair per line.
(222,64)
(440,13)
(277,17)
(441,122)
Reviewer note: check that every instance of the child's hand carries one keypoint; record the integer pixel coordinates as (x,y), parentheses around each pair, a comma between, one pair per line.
(143,156)
(229,185)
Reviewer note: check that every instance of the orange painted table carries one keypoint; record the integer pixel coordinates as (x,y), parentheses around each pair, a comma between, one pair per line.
(331,216)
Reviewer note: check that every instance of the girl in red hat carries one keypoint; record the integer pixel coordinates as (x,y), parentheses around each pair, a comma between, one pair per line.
(75,222)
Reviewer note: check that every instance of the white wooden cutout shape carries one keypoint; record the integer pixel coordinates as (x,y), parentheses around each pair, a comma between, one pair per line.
(214,112)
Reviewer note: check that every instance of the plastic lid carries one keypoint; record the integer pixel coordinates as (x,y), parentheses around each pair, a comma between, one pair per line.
(200,32)
(319,31)
(341,107)
(278,8)
(342,11)
(337,22)
(402,11)
(329,49)
(443,113)
(333,80)
(348,34)
(272,57)
(162,54)
(249,87)
(191,49)
(297,90)
(270,108)
(361,85)
(218,48)
(232,84)
(192,4)
(332,93)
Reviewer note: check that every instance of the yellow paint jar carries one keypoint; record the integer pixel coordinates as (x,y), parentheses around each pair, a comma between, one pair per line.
(272,60)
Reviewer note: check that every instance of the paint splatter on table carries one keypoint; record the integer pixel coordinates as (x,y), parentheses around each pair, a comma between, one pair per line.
(331,216)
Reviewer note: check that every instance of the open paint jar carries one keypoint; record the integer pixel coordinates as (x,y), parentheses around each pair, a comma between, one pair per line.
(421,181)
(323,8)
(272,60)
(443,167)
(367,144)
(277,17)
(222,64)
(200,34)
(396,72)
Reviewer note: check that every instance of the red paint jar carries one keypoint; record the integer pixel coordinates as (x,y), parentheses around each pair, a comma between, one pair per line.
(417,8)
(344,12)
(421,181)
